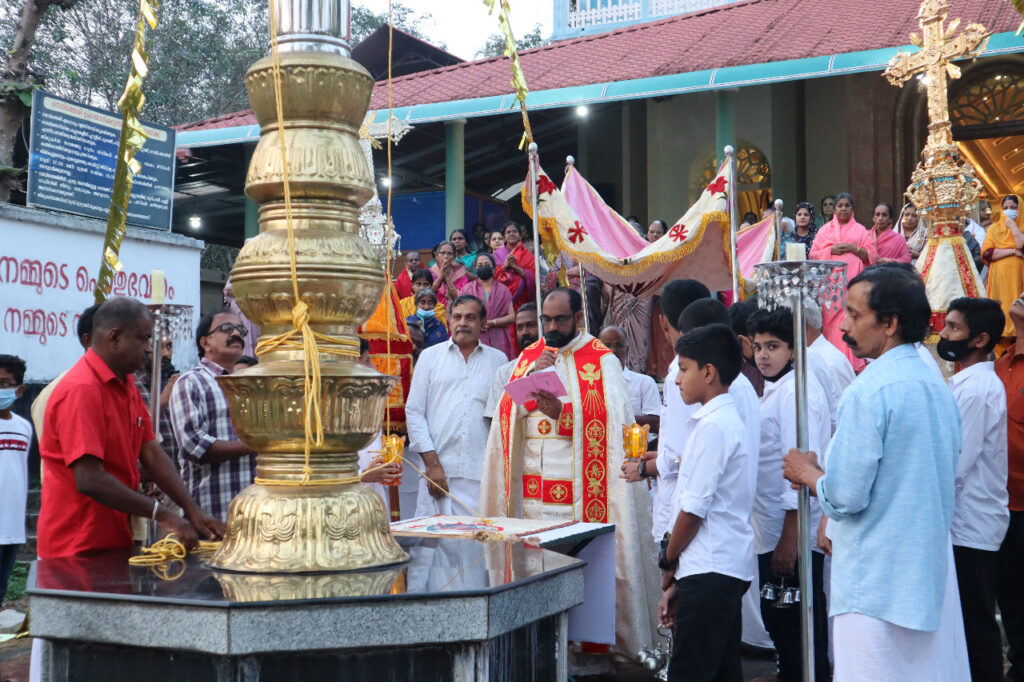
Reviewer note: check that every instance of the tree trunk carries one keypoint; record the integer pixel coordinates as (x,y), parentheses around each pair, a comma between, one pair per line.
(16,71)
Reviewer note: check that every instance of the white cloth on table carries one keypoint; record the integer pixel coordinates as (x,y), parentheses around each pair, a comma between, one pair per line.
(868,648)
(980,513)
(445,409)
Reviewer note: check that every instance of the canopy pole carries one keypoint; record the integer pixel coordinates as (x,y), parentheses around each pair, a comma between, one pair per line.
(730,157)
(534,174)
(570,162)
(780,253)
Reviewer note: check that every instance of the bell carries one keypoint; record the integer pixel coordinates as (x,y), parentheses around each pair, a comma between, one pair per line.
(787,599)
(768,592)
(651,663)
(796,595)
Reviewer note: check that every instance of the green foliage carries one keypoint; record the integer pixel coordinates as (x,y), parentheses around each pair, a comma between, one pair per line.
(495,44)
(365,22)
(16,585)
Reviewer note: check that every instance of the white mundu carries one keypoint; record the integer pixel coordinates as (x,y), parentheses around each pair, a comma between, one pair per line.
(538,467)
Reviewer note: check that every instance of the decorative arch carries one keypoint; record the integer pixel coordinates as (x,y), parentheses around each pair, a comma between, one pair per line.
(753,176)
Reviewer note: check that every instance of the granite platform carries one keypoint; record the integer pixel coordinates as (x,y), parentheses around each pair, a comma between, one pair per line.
(458,610)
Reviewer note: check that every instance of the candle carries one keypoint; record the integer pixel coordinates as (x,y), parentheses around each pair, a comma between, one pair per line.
(157,279)
(796,252)
(392,448)
(634,439)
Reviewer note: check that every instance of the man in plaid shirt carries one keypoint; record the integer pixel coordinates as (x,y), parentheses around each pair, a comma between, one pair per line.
(215,464)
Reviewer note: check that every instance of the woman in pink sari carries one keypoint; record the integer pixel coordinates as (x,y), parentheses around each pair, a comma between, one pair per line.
(498,302)
(844,239)
(891,246)
(516,272)
(449,274)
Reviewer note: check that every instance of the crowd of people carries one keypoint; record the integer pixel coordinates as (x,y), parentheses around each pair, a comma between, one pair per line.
(917,484)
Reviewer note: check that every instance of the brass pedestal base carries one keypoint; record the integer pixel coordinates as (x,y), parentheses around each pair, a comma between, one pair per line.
(307,529)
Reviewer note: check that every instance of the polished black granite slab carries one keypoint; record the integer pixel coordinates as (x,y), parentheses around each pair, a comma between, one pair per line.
(441,567)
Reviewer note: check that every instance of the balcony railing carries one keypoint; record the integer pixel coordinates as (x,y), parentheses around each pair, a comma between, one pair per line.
(579,17)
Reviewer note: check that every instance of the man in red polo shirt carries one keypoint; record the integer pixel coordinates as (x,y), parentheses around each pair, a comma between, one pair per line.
(96,432)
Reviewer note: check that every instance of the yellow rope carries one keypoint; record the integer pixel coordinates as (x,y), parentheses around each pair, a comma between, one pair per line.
(163,554)
(388,235)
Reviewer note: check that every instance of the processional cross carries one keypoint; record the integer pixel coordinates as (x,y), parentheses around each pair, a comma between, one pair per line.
(939,49)
(943,185)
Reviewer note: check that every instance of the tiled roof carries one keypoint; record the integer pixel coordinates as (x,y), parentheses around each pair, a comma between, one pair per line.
(749,32)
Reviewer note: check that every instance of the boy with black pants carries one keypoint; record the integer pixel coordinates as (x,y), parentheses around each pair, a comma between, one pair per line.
(707,558)
(774,518)
(980,512)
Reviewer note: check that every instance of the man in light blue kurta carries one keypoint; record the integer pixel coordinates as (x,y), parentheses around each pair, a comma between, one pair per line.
(889,490)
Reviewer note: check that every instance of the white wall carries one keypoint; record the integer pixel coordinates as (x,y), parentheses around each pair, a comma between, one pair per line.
(49,262)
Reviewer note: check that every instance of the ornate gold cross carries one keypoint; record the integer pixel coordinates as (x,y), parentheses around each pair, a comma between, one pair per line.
(939,49)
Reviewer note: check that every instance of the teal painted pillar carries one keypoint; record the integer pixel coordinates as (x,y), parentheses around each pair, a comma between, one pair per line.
(725,131)
(252,226)
(455,176)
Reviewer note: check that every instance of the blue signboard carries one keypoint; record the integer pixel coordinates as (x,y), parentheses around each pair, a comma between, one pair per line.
(71,163)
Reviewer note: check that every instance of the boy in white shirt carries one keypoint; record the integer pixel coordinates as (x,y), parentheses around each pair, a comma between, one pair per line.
(707,558)
(15,439)
(774,516)
(980,513)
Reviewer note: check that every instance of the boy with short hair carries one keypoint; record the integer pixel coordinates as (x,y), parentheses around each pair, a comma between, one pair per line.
(434,331)
(774,517)
(422,279)
(15,438)
(980,512)
(706,561)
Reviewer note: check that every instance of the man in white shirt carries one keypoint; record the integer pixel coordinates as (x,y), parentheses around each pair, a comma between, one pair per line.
(445,411)
(707,560)
(643,392)
(526,335)
(826,362)
(980,512)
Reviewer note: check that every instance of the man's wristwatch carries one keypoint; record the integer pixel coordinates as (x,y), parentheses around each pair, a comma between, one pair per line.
(663,562)
(643,469)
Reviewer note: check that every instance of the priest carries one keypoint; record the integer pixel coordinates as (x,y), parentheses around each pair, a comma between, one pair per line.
(559,458)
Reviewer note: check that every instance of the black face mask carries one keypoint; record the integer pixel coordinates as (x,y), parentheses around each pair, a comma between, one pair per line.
(954,351)
(783,372)
(556,339)
(485,272)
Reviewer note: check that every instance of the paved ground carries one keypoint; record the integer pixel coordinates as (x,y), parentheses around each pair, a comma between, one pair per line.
(14,661)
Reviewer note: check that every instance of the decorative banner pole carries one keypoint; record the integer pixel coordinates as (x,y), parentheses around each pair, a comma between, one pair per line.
(779,253)
(734,224)
(570,161)
(534,173)
(133,136)
(790,284)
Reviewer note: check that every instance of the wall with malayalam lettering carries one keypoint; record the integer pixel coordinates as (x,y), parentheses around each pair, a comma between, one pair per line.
(48,267)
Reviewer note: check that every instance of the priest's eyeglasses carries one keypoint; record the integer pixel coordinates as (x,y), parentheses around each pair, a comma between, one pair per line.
(227,328)
(560,320)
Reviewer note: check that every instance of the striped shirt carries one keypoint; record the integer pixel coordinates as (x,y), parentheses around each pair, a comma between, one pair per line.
(200,417)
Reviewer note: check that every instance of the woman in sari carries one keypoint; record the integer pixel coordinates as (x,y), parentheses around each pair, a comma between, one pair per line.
(1002,251)
(403,283)
(498,302)
(844,239)
(913,230)
(516,272)
(460,241)
(449,274)
(501,253)
(890,244)
(828,207)
(496,242)
(804,228)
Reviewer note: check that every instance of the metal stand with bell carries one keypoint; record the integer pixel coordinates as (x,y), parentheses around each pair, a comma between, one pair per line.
(790,284)
(656,659)
(174,322)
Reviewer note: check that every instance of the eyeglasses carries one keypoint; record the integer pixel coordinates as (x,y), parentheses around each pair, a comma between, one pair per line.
(227,328)
(560,320)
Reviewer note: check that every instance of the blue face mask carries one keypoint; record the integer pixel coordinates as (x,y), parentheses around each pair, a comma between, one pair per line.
(425,313)
(7,397)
